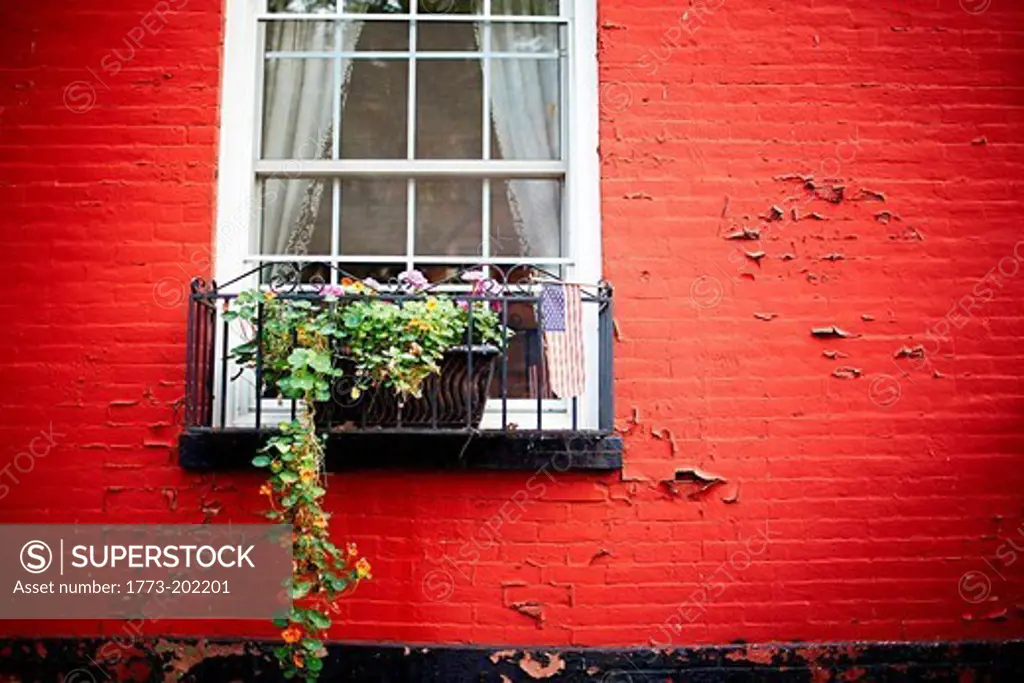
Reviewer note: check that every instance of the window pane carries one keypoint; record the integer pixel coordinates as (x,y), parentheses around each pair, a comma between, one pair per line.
(284,277)
(382,36)
(449,109)
(450,6)
(301,6)
(523,38)
(526,218)
(543,8)
(373,216)
(383,273)
(300,36)
(524,352)
(444,36)
(375,122)
(375,6)
(297,109)
(523,273)
(297,216)
(448,213)
(526,109)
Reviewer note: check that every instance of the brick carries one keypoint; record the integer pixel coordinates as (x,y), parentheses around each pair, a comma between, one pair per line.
(879,509)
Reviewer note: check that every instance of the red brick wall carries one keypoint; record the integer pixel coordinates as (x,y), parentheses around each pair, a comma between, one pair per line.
(887,497)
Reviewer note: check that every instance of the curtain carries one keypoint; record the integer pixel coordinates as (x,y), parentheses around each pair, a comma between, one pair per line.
(525,107)
(299,125)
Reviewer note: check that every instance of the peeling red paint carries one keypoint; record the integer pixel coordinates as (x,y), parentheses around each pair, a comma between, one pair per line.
(529,609)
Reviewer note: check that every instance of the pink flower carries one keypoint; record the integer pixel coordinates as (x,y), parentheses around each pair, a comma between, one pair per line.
(413,280)
(475,275)
(332,290)
(483,286)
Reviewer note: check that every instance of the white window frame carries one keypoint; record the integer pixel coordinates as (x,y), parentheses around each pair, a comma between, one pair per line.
(238,201)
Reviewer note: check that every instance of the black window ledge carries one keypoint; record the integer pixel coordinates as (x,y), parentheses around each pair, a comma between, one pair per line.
(205,449)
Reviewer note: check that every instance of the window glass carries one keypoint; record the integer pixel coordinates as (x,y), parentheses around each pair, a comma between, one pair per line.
(374,147)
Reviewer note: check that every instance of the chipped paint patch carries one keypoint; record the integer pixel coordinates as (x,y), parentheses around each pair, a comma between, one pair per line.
(536,669)
(830,332)
(183,657)
(501,655)
(760,655)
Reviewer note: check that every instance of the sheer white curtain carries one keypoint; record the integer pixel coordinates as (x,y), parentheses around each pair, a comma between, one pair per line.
(526,109)
(299,96)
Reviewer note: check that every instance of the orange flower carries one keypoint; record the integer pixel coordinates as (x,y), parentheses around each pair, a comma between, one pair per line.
(291,635)
(363,568)
(298,660)
(352,550)
(265,490)
(308,476)
(347,282)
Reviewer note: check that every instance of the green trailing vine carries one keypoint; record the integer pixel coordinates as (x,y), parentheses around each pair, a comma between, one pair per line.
(391,344)
(297,356)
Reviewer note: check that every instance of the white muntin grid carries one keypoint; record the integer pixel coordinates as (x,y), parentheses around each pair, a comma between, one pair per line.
(485,169)
(241,172)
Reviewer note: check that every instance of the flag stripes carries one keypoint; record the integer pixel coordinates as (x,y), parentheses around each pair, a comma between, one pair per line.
(561,312)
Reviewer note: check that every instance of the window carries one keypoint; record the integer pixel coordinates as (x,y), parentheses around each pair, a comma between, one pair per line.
(374,136)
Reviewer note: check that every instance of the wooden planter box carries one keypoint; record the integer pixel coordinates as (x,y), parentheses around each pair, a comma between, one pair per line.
(453,399)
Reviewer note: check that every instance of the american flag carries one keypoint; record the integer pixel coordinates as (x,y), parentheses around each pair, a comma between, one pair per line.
(561,319)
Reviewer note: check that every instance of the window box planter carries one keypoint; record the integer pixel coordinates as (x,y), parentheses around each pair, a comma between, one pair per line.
(453,399)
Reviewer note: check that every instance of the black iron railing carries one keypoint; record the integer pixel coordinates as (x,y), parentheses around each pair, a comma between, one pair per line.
(506,385)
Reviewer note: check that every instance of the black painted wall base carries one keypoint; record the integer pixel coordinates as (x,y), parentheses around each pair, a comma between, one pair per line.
(192,661)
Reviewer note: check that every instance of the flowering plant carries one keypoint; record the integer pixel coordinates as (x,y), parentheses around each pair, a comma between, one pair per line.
(296,351)
(394,344)
(399,344)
